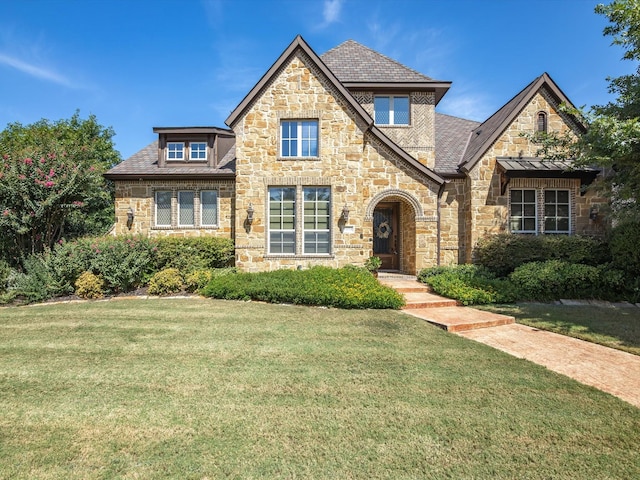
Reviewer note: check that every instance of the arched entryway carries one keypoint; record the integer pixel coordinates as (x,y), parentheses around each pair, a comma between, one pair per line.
(393,216)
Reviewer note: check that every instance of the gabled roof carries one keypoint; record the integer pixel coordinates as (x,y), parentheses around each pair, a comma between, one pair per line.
(488,132)
(357,66)
(300,44)
(144,164)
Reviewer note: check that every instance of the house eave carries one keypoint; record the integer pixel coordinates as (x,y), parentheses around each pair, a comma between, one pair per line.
(168,176)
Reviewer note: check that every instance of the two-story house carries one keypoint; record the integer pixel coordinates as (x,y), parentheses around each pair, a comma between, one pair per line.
(331,159)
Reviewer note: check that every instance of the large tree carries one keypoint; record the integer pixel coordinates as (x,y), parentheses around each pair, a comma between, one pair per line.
(51,184)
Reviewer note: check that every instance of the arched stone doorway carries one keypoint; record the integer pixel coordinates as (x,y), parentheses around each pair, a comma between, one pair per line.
(393,214)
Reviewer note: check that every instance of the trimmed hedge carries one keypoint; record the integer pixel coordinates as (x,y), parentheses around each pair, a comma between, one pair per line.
(555,279)
(165,282)
(624,242)
(348,287)
(503,253)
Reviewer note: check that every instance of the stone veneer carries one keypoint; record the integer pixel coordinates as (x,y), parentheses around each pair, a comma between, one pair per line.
(139,195)
(488,208)
(360,171)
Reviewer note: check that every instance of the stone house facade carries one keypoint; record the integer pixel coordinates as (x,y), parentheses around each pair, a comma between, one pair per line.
(331,159)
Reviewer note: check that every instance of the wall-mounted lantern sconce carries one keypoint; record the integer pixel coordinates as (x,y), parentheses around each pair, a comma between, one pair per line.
(130,216)
(345,213)
(593,214)
(250,212)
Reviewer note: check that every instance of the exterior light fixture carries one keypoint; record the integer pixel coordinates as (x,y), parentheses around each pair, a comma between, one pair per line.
(130,216)
(345,213)
(250,214)
(593,213)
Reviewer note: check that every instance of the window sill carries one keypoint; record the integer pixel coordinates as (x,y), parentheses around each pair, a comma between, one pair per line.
(392,125)
(297,158)
(185,227)
(299,256)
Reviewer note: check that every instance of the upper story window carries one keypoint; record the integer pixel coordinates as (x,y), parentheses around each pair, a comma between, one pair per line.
(299,138)
(181,151)
(391,110)
(175,151)
(542,122)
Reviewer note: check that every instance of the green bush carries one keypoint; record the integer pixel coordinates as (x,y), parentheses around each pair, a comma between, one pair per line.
(348,287)
(468,284)
(503,253)
(555,279)
(89,285)
(198,253)
(198,279)
(166,282)
(624,242)
(5,272)
(36,283)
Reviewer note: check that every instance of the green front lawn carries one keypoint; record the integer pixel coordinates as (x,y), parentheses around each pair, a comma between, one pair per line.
(615,327)
(217,389)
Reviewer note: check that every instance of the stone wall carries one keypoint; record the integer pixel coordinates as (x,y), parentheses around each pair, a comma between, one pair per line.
(453,223)
(360,171)
(139,195)
(488,207)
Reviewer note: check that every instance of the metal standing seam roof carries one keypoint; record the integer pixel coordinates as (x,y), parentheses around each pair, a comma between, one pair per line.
(510,164)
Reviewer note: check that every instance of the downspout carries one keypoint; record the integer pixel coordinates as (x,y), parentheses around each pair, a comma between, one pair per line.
(440,192)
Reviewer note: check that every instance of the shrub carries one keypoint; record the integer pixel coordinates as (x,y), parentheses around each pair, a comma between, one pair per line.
(190,254)
(166,282)
(468,284)
(5,272)
(36,283)
(555,279)
(89,285)
(624,241)
(503,253)
(198,279)
(348,287)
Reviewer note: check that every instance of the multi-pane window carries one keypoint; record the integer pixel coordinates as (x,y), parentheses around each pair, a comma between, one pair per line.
(523,212)
(282,220)
(556,211)
(186,208)
(391,110)
(208,207)
(163,208)
(299,138)
(198,151)
(542,122)
(175,151)
(317,210)
(186,216)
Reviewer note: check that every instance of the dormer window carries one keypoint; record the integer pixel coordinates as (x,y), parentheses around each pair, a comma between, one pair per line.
(181,151)
(542,122)
(391,110)
(175,151)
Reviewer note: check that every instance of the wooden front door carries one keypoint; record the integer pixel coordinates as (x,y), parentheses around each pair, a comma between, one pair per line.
(386,235)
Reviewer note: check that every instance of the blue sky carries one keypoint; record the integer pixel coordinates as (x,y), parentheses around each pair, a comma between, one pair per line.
(136,64)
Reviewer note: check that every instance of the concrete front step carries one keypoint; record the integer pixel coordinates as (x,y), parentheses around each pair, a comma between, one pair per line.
(415,300)
(460,319)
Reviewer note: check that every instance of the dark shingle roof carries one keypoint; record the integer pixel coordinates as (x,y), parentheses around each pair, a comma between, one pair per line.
(144,164)
(352,62)
(452,136)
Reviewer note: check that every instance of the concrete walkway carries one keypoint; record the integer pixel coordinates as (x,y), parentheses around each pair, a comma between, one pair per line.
(606,369)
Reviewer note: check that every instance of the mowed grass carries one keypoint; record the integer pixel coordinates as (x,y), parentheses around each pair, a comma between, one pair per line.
(611,326)
(195,389)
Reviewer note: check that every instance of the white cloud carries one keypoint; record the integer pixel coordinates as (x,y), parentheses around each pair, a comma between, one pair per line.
(331,11)
(466,105)
(36,71)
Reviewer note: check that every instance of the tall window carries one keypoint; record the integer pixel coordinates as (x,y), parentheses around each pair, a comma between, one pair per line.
(208,207)
(317,210)
(175,151)
(523,218)
(556,211)
(542,122)
(198,151)
(163,208)
(186,215)
(282,220)
(299,138)
(391,110)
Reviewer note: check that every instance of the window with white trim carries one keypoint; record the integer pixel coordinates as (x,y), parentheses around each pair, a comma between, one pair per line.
(391,110)
(313,224)
(198,151)
(186,214)
(299,138)
(523,217)
(317,213)
(282,220)
(163,208)
(557,211)
(208,207)
(175,150)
